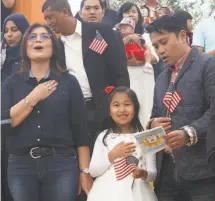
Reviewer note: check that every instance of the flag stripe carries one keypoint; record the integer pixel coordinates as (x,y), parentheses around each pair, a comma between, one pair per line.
(171,98)
(125,166)
(125,174)
(98,44)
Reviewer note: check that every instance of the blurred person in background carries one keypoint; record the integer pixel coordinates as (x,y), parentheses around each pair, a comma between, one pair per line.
(6,8)
(141,71)
(14,27)
(153,9)
(186,20)
(132,11)
(204,35)
(92,12)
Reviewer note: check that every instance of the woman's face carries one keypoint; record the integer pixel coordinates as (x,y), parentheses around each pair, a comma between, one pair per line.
(132,13)
(189,25)
(12,34)
(39,45)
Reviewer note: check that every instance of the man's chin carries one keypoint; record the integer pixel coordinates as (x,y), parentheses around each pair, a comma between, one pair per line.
(93,20)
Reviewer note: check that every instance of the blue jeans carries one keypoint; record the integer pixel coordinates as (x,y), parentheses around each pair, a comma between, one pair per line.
(51,178)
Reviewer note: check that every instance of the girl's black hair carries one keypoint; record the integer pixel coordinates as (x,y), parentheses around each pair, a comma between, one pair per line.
(135,123)
(125,8)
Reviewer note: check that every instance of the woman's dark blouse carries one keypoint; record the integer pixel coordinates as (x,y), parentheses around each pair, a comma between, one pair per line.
(58,121)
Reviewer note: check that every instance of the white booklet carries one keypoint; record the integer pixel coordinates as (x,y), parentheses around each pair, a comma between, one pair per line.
(151,141)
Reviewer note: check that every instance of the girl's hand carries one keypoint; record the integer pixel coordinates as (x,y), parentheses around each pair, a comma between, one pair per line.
(140,173)
(122,149)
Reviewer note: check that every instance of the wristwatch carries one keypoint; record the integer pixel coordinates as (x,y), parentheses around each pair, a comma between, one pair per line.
(85,170)
(191,132)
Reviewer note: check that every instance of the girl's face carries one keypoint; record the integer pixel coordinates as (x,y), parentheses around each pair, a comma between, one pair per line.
(132,13)
(12,34)
(122,110)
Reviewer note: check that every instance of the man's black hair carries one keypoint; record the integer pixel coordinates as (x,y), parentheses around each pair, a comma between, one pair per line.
(56,5)
(168,23)
(100,2)
(183,16)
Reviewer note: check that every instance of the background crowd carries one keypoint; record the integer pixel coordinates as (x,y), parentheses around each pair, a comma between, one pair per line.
(123,71)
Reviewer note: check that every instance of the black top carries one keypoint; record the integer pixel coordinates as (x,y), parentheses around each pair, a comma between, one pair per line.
(58,121)
(12,62)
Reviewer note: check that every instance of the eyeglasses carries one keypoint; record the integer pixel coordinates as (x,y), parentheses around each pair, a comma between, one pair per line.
(43,36)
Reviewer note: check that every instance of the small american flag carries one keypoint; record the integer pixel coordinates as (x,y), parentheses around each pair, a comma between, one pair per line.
(98,44)
(125,166)
(171,98)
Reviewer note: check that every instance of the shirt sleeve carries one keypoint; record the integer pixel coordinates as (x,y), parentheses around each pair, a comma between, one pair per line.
(78,114)
(198,36)
(151,167)
(100,161)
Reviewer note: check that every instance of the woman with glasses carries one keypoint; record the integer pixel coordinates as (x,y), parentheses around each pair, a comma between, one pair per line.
(14,27)
(50,134)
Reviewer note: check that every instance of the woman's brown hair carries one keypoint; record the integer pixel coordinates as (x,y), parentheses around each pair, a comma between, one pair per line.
(56,59)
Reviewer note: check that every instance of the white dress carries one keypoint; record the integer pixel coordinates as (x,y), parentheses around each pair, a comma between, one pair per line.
(142,81)
(106,187)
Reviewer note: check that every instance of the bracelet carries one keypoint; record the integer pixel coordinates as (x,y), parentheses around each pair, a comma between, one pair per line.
(26,101)
(191,132)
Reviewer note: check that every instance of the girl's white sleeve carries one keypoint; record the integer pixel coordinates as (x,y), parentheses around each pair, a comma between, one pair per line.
(151,167)
(99,162)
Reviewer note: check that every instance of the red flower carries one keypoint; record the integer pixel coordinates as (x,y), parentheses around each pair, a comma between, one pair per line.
(109,89)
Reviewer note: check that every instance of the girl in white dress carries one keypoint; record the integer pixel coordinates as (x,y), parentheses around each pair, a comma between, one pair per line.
(122,172)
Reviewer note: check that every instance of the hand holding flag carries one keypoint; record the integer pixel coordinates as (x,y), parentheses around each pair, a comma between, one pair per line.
(140,173)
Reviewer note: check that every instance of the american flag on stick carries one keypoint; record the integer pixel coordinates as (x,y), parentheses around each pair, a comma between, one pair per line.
(171,98)
(125,166)
(98,44)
